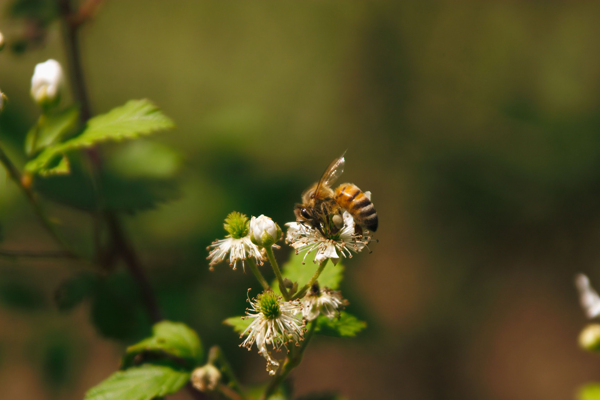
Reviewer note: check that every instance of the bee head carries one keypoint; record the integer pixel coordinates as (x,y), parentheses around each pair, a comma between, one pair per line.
(302,213)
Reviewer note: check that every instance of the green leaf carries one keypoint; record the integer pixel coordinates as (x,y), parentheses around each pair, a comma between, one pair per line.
(346,325)
(174,338)
(295,271)
(137,117)
(238,324)
(590,391)
(139,383)
(135,177)
(74,290)
(50,129)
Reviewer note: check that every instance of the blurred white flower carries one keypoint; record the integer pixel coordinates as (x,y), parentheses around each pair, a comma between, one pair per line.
(237,244)
(590,301)
(206,378)
(2,42)
(321,301)
(275,322)
(304,237)
(47,82)
(3,99)
(264,232)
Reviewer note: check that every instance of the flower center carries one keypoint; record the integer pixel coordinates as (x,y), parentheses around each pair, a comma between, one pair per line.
(268,303)
(237,225)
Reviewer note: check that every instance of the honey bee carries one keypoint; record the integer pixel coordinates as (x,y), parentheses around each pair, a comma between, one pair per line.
(322,206)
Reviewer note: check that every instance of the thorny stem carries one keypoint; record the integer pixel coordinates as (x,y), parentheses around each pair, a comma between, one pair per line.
(314,278)
(277,271)
(18,179)
(215,354)
(292,362)
(257,274)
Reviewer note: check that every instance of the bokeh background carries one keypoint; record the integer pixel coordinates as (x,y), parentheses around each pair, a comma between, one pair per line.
(476,125)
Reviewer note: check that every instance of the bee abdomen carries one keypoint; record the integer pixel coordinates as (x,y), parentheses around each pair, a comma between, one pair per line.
(352,199)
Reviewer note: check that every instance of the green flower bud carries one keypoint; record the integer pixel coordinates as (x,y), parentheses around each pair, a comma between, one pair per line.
(206,378)
(589,338)
(264,232)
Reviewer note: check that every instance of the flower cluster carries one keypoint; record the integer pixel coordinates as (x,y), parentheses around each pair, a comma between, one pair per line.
(305,238)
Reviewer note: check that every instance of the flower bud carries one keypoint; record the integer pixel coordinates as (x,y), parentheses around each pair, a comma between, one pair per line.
(589,338)
(2,41)
(264,232)
(3,99)
(47,82)
(206,378)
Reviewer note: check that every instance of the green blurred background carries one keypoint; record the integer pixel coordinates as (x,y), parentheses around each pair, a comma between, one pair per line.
(476,125)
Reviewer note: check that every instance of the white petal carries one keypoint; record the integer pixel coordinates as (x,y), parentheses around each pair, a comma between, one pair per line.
(589,298)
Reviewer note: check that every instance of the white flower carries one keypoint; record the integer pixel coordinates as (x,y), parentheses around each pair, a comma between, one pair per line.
(590,301)
(275,322)
(321,301)
(47,82)
(1,41)
(238,250)
(304,237)
(263,231)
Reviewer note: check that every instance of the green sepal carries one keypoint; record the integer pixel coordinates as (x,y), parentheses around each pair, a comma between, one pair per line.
(51,128)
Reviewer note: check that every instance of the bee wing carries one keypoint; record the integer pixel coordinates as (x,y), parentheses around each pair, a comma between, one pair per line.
(589,298)
(332,173)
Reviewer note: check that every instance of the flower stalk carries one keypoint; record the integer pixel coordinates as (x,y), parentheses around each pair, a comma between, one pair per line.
(259,276)
(314,279)
(277,271)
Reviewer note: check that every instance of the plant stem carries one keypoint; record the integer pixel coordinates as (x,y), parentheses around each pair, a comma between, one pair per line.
(71,37)
(314,278)
(258,274)
(277,271)
(292,362)
(133,263)
(215,354)
(18,179)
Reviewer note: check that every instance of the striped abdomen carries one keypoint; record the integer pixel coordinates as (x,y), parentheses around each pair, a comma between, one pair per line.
(353,200)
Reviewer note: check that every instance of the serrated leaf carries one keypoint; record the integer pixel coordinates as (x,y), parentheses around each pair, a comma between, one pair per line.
(347,325)
(139,383)
(589,392)
(173,338)
(50,129)
(74,290)
(135,118)
(238,324)
(295,271)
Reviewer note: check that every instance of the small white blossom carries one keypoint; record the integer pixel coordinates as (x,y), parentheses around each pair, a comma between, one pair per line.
(275,323)
(263,231)
(237,249)
(47,82)
(589,298)
(321,301)
(304,237)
